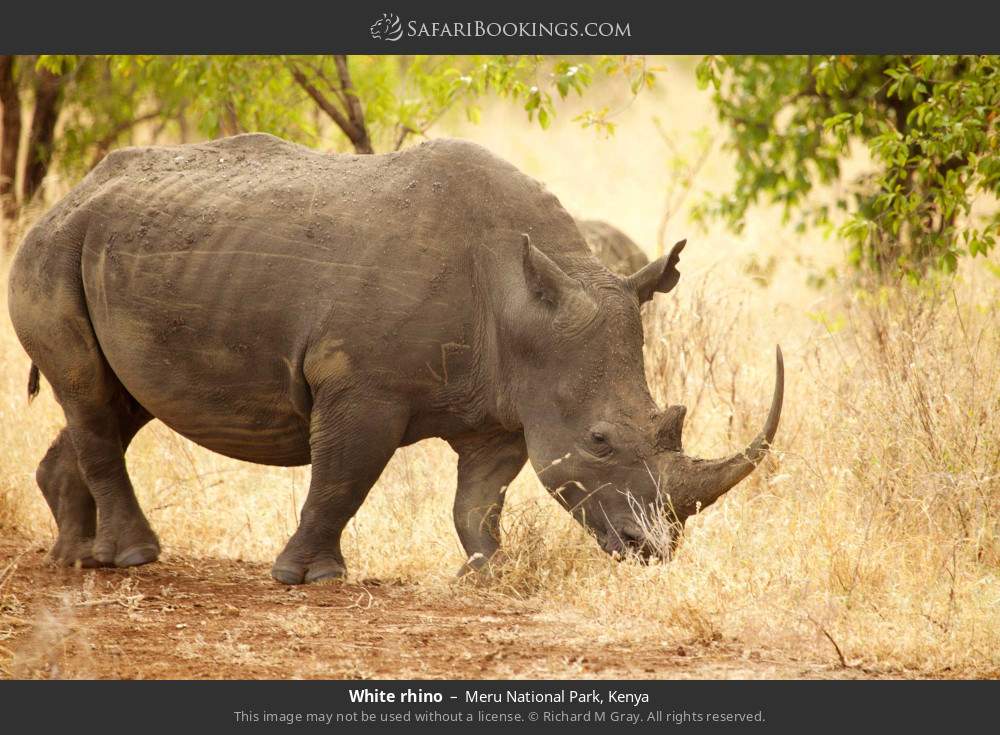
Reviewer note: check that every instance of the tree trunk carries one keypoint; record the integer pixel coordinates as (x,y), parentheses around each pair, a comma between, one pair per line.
(48,90)
(229,120)
(10,140)
(362,143)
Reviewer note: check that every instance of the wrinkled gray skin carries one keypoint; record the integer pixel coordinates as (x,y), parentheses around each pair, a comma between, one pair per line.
(286,307)
(616,250)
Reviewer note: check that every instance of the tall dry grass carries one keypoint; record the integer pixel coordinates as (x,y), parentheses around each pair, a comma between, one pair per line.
(870,538)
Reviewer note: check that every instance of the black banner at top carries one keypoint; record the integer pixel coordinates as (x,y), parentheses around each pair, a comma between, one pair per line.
(446,26)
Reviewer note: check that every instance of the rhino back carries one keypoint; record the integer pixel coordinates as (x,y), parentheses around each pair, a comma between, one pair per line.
(213,272)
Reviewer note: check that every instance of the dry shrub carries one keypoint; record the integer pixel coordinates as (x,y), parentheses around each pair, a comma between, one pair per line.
(11,618)
(874,527)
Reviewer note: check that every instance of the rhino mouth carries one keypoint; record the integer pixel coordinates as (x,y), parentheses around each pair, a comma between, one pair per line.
(629,541)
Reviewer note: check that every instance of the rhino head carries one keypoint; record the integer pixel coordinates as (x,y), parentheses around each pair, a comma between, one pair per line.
(597,440)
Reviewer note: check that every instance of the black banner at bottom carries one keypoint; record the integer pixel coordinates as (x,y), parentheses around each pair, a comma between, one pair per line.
(458,706)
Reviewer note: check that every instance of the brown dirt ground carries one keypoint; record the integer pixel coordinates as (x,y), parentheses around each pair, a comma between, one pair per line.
(185,618)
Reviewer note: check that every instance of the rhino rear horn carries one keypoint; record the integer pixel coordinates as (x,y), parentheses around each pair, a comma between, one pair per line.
(669,429)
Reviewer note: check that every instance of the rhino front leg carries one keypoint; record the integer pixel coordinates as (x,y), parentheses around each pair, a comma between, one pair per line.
(351,441)
(487,464)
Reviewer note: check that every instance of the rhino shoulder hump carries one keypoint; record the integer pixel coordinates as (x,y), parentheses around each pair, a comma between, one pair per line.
(458,151)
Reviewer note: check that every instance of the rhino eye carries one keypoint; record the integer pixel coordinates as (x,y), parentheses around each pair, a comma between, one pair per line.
(599,444)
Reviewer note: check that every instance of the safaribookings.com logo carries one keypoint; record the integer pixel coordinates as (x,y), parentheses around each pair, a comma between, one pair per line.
(387,28)
(390,28)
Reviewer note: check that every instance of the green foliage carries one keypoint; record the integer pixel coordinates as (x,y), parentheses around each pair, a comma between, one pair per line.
(297,97)
(102,99)
(930,127)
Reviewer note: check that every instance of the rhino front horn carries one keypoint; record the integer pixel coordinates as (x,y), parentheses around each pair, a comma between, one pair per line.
(711,479)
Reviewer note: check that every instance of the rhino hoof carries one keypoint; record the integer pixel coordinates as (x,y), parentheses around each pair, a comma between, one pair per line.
(286,575)
(325,574)
(137,555)
(318,572)
(74,553)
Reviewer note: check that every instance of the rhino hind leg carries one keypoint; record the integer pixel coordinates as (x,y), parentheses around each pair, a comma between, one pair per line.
(101,419)
(100,435)
(71,503)
(351,441)
(69,498)
(487,464)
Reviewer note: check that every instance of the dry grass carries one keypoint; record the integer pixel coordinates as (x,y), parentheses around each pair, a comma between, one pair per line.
(870,539)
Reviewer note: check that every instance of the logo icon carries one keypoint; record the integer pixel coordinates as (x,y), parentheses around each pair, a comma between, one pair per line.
(387,28)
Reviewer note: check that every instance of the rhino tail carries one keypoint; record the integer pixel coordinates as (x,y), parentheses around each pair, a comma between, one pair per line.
(33,380)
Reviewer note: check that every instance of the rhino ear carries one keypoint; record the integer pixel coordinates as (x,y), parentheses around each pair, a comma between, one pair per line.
(660,275)
(545,280)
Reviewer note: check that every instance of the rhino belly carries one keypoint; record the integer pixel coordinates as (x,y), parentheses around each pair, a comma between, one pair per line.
(206,353)
(246,411)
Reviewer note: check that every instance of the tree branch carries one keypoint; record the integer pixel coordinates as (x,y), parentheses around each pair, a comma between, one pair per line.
(329,85)
(323,103)
(348,124)
(102,146)
(403,132)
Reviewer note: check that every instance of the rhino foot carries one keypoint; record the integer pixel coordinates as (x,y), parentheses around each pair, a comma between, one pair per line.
(73,551)
(288,572)
(131,549)
(137,555)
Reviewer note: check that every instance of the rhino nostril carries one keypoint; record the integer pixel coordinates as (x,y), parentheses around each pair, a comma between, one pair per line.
(626,540)
(632,538)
